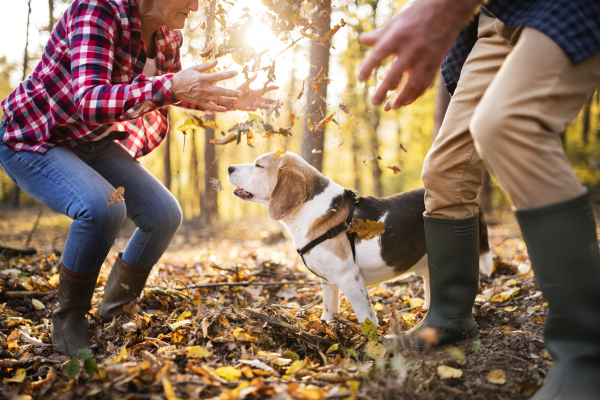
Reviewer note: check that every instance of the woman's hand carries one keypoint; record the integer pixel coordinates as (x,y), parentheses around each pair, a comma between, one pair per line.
(195,86)
(419,36)
(253,99)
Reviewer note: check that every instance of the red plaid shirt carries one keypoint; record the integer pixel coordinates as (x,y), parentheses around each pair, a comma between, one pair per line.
(89,78)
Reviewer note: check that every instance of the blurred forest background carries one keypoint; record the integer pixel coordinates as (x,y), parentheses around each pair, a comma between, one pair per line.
(358,158)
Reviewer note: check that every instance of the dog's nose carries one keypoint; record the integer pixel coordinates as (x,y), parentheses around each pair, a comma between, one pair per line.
(231,169)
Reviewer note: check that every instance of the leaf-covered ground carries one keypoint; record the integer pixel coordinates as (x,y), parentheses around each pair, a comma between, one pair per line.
(231,313)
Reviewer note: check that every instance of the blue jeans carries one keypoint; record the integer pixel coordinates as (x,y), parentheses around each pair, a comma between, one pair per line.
(76,182)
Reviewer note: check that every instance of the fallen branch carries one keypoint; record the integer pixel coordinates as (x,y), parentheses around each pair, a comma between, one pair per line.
(218,284)
(13,251)
(272,320)
(26,293)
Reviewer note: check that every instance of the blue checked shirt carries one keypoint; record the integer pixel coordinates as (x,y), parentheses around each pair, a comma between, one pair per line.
(573,24)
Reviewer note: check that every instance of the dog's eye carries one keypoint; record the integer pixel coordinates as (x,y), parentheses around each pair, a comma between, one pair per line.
(259,166)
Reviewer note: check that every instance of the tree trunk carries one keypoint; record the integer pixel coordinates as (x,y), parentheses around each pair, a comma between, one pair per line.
(355,152)
(312,145)
(442,100)
(51,15)
(585,128)
(16,192)
(373,118)
(210,207)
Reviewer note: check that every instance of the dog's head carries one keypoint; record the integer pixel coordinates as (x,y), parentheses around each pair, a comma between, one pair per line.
(282,184)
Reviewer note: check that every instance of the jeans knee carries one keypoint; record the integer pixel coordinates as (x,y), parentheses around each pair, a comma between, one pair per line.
(104,217)
(168,219)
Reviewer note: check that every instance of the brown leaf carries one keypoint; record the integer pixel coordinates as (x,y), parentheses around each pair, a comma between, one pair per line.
(344,107)
(368,230)
(279,153)
(116,196)
(228,139)
(394,168)
(325,120)
(216,184)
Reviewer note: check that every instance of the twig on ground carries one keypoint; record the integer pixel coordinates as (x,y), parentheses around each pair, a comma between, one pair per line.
(26,293)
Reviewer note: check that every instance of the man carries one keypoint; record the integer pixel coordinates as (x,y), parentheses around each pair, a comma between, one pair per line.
(525,69)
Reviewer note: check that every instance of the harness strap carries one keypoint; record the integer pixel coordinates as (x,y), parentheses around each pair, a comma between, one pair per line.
(333,232)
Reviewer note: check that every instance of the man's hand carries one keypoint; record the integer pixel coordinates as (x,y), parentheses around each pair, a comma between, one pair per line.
(196,86)
(251,100)
(420,35)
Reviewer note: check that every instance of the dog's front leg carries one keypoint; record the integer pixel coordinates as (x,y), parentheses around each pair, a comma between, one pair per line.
(331,300)
(353,286)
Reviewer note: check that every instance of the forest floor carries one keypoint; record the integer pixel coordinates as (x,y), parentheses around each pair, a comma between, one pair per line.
(200,331)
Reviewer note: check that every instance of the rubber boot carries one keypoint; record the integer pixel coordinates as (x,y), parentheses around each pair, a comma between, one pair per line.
(453,258)
(125,283)
(70,331)
(563,247)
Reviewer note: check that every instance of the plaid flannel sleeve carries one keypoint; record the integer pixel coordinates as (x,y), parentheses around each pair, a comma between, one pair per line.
(98,99)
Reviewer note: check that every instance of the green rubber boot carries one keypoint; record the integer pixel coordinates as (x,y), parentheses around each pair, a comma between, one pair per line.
(453,257)
(70,331)
(563,247)
(124,284)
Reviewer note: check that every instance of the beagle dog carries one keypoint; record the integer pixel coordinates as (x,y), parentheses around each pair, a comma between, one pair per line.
(310,204)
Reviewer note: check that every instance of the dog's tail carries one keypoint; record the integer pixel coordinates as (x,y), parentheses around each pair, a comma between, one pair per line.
(486,262)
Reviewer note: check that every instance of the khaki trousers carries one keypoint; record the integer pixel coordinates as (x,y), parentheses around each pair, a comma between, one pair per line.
(517,92)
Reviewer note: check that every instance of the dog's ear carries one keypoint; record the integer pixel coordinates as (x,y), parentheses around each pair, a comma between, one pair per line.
(290,191)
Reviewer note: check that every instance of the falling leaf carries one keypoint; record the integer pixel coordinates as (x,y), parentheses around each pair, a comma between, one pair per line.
(346,124)
(332,348)
(203,25)
(228,139)
(368,230)
(274,108)
(325,120)
(228,373)
(310,125)
(279,153)
(344,107)
(497,377)
(211,124)
(249,139)
(333,31)
(394,168)
(446,372)
(292,118)
(116,196)
(402,147)
(38,304)
(18,378)
(370,331)
(197,352)
(241,335)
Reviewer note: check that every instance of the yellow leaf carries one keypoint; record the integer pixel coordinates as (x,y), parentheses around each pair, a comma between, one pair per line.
(346,124)
(249,138)
(53,281)
(227,139)
(211,124)
(368,230)
(187,125)
(243,336)
(329,34)
(197,352)
(121,356)
(325,120)
(378,306)
(370,331)
(502,297)
(310,126)
(38,304)
(375,350)
(255,117)
(296,366)
(169,392)
(446,372)
(18,378)
(184,315)
(228,373)
(279,153)
(497,377)
(416,302)
(179,324)
(394,168)
(332,348)
(311,393)
(510,308)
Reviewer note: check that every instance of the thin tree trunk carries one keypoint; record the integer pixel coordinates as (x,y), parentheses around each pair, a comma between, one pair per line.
(194,178)
(167,160)
(16,192)
(442,100)
(585,128)
(210,207)
(355,152)
(51,14)
(312,145)
(374,117)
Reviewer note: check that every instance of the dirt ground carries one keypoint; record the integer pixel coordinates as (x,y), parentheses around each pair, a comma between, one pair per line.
(230,312)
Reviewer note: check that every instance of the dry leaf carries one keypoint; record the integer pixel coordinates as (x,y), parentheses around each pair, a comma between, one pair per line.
(333,31)
(18,378)
(446,372)
(197,352)
(53,281)
(168,388)
(121,356)
(370,331)
(402,147)
(227,139)
(346,124)
(375,350)
(497,377)
(416,302)
(325,120)
(38,304)
(279,153)
(368,230)
(203,25)
(332,348)
(395,168)
(292,118)
(510,308)
(310,125)
(242,336)
(116,196)
(344,107)
(216,184)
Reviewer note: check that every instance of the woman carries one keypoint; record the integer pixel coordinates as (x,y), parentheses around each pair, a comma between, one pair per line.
(107,72)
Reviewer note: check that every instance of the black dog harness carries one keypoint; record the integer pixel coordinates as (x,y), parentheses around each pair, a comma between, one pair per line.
(333,232)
